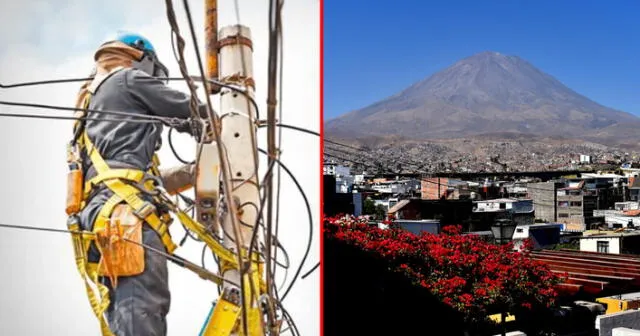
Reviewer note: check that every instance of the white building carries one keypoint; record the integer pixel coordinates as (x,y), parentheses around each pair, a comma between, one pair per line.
(344,179)
(585,159)
(610,242)
(344,184)
(625,206)
(336,170)
(626,214)
(503,205)
(543,235)
(390,187)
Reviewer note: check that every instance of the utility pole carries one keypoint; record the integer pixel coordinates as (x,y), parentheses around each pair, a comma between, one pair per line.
(207,186)
(239,139)
(229,60)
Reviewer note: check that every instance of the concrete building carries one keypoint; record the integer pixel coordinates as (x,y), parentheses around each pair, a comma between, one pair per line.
(609,188)
(626,206)
(624,242)
(543,235)
(544,198)
(631,169)
(344,184)
(520,211)
(517,190)
(390,187)
(575,208)
(634,189)
(619,218)
(344,179)
(405,209)
(330,168)
(435,188)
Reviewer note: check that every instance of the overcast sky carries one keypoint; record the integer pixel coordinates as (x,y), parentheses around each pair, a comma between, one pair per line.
(40,289)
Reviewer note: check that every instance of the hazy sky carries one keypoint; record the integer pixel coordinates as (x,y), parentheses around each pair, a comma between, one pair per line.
(374,49)
(40,288)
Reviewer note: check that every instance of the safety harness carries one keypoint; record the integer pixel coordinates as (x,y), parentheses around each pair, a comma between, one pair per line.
(121,182)
(128,186)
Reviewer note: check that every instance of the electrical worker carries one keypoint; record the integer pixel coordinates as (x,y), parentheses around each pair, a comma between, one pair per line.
(116,155)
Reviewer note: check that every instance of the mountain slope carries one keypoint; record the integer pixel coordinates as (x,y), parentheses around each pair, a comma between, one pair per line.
(486,93)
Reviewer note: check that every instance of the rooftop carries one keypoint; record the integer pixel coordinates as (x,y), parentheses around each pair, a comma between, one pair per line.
(499,200)
(592,272)
(609,233)
(540,225)
(591,175)
(401,204)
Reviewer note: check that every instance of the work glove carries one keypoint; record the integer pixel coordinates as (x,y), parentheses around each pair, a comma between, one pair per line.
(193,127)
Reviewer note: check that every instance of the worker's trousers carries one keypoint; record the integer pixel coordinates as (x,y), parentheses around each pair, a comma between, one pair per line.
(140,304)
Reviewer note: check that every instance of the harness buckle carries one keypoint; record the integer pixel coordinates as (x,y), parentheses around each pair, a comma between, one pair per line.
(143,212)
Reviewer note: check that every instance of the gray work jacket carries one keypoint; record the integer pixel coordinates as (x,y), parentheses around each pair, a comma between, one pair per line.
(128,144)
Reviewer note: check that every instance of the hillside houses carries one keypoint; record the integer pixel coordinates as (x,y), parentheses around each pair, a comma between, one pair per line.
(602,201)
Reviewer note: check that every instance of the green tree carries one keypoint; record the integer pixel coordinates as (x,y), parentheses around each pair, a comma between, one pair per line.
(369,207)
(381,212)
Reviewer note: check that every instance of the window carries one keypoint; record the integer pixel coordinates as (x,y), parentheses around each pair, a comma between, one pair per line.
(603,246)
(563,215)
(563,204)
(576,204)
(519,230)
(503,205)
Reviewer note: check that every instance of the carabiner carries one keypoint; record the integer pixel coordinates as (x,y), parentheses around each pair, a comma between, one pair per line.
(157,184)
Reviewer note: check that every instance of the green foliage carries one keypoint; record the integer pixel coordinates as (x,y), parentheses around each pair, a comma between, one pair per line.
(369,207)
(380,212)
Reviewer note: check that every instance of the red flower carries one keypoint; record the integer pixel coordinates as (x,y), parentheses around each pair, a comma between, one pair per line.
(463,271)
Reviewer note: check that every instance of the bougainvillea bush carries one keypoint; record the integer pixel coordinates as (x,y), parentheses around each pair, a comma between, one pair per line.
(475,277)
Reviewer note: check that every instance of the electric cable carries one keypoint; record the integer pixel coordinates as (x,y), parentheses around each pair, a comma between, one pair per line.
(164,120)
(173,150)
(279,145)
(182,262)
(227,188)
(170,79)
(272,82)
(308,207)
(297,128)
(310,271)
(50,117)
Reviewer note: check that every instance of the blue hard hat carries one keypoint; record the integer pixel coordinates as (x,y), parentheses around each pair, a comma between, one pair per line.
(136,41)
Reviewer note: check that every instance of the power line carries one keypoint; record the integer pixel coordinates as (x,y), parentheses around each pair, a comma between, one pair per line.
(164,120)
(296,128)
(310,271)
(189,78)
(182,262)
(308,207)
(43,116)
